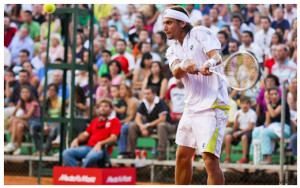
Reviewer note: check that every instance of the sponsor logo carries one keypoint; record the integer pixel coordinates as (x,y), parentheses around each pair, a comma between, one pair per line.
(191,47)
(118,179)
(77,178)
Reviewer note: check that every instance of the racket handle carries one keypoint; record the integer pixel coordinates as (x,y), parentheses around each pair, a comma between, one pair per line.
(210,69)
(198,69)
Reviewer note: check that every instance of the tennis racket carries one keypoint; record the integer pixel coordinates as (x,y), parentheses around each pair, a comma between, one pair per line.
(240,70)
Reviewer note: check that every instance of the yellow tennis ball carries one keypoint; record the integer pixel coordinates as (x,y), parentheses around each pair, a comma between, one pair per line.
(49,8)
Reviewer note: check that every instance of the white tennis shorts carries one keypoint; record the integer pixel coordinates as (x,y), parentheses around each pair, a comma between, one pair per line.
(203,130)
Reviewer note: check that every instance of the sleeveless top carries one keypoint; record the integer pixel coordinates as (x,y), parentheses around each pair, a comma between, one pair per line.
(157,85)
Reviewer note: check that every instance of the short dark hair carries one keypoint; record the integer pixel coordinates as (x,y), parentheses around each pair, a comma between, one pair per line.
(249,33)
(114,27)
(25,51)
(227,27)
(234,41)
(273,88)
(106,51)
(145,56)
(25,71)
(27,62)
(237,15)
(153,89)
(108,76)
(224,33)
(117,63)
(162,35)
(188,27)
(107,101)
(29,12)
(280,37)
(275,78)
(122,40)
(265,17)
(245,99)
(11,71)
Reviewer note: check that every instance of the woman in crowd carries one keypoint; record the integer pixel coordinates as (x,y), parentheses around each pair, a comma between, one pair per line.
(114,68)
(55,27)
(33,79)
(142,72)
(79,45)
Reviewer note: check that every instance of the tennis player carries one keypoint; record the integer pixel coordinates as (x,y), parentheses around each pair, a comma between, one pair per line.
(206,99)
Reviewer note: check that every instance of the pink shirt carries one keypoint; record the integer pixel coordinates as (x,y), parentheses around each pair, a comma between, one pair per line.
(57,52)
(28,105)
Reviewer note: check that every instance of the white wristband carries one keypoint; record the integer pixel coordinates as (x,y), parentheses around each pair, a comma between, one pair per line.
(212,62)
(182,64)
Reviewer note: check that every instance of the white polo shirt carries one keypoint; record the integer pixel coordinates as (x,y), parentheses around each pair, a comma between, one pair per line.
(200,91)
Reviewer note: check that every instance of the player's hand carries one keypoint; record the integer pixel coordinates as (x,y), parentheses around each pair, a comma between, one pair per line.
(98,147)
(189,66)
(235,135)
(75,143)
(205,69)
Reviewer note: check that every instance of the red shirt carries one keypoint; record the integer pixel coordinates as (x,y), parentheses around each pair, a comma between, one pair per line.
(8,35)
(100,130)
(168,94)
(269,63)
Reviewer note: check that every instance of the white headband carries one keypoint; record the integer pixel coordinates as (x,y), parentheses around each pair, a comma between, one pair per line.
(170,13)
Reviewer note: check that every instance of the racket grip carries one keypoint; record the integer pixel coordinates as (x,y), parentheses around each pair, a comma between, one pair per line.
(210,69)
(198,69)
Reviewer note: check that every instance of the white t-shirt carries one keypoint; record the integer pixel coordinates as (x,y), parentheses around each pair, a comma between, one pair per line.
(255,49)
(200,91)
(263,39)
(245,118)
(177,99)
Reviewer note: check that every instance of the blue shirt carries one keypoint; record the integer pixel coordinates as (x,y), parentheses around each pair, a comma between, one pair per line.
(284,25)
(119,26)
(99,61)
(285,71)
(60,92)
(16,46)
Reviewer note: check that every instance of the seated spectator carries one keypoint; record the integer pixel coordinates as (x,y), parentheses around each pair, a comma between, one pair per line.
(17,65)
(156,79)
(31,118)
(133,34)
(224,40)
(245,120)
(143,37)
(37,14)
(276,39)
(146,47)
(271,61)
(37,61)
(249,45)
(33,79)
(216,21)
(238,27)
(33,26)
(9,32)
(195,15)
(160,39)
(272,131)
(101,131)
(21,41)
(55,27)
(106,58)
(293,47)
(207,23)
(261,107)
(284,68)
(142,72)
(175,100)
(120,105)
(56,50)
(117,20)
(103,90)
(280,22)
(132,105)
(82,79)
(152,115)
(10,85)
(79,45)
(53,110)
(114,68)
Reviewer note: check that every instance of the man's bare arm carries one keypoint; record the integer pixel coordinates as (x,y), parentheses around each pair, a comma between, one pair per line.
(176,70)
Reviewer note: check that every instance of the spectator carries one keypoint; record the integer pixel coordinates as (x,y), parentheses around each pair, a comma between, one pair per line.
(117,36)
(41,71)
(293,31)
(271,61)
(34,80)
(33,26)
(103,91)
(86,33)
(98,53)
(37,60)
(53,110)
(261,107)
(292,100)
(142,72)
(121,52)
(132,105)
(7,58)
(101,131)
(263,37)
(151,16)
(106,58)
(175,100)
(23,56)
(276,39)
(109,41)
(130,14)
(272,123)
(31,118)
(9,32)
(224,40)
(237,27)
(103,25)
(227,29)
(214,14)
(79,45)
(284,68)
(10,85)
(233,46)
(280,22)
(144,37)
(207,23)
(37,15)
(117,20)
(119,104)
(139,25)
(82,79)
(114,68)
(160,39)
(290,13)
(146,47)
(248,45)
(152,114)
(21,41)
(195,15)
(156,79)
(293,47)
(56,50)
(245,119)
(224,11)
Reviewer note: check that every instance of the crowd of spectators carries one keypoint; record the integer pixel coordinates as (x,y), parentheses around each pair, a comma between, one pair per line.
(130,69)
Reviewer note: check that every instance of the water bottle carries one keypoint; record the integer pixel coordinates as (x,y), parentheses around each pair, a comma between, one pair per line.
(257,155)
(153,152)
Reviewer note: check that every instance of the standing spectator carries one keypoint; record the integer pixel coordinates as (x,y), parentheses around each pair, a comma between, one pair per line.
(121,52)
(37,14)
(114,68)
(237,27)
(284,68)
(263,37)
(21,41)
(207,23)
(195,15)
(214,14)
(33,26)
(280,22)
(31,118)
(101,131)
(156,79)
(224,40)
(117,20)
(152,114)
(9,32)
(245,120)
(271,61)
(290,12)
(34,80)
(248,45)
(56,50)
